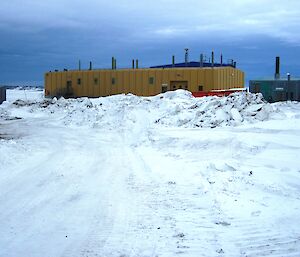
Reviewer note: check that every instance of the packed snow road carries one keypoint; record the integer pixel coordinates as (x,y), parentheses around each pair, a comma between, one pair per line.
(130,176)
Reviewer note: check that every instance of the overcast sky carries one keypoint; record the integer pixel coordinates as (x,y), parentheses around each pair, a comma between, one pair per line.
(39,35)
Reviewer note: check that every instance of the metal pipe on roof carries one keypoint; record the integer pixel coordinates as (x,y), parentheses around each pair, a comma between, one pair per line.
(212,59)
(115,64)
(112,63)
(173,60)
(79,65)
(201,60)
(221,59)
(90,66)
(136,63)
(132,63)
(277,68)
(186,56)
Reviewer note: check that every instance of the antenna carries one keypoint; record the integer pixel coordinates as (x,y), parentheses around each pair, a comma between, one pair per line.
(186,56)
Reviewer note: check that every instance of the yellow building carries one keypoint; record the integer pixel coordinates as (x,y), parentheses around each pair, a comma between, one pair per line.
(142,82)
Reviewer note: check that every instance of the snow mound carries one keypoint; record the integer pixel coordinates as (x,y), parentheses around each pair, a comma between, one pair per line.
(216,111)
(171,109)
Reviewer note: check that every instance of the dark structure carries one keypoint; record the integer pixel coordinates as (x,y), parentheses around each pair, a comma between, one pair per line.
(2,94)
(193,65)
(277,89)
(201,64)
(201,78)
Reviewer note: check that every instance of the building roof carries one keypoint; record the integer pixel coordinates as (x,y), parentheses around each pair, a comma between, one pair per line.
(192,65)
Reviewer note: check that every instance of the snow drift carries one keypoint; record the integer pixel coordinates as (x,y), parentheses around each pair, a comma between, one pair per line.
(147,176)
(177,109)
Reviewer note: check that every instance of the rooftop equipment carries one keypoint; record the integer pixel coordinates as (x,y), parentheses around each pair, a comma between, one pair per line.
(277,68)
(277,89)
(186,56)
(201,60)
(112,63)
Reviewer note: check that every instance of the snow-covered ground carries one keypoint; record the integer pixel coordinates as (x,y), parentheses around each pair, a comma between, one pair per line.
(149,176)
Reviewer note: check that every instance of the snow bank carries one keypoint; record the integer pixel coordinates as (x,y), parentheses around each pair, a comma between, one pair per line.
(177,109)
(216,111)
(26,93)
(76,178)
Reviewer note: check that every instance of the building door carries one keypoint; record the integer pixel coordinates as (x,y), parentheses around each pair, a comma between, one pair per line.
(179,85)
(164,88)
(280,96)
(256,88)
(69,91)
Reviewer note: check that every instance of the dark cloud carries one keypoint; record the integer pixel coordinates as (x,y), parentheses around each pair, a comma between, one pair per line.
(42,36)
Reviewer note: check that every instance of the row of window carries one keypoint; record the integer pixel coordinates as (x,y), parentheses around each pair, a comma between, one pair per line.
(151,82)
(113,81)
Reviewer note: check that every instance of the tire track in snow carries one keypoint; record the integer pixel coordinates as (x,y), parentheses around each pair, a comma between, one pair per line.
(113,229)
(240,235)
(183,217)
(261,239)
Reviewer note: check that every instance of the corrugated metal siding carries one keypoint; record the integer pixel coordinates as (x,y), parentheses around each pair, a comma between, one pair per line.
(2,94)
(276,90)
(136,81)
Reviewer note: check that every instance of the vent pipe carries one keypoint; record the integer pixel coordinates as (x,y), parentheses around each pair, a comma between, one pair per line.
(112,63)
(212,59)
(201,60)
(79,65)
(277,68)
(173,61)
(186,56)
(132,63)
(234,64)
(221,59)
(136,63)
(288,76)
(115,64)
(90,65)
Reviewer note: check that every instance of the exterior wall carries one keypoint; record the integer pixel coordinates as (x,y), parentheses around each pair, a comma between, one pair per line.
(276,90)
(143,82)
(2,94)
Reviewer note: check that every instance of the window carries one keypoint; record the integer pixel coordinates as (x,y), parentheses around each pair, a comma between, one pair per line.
(113,81)
(69,84)
(151,80)
(200,88)
(69,91)
(96,81)
(78,81)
